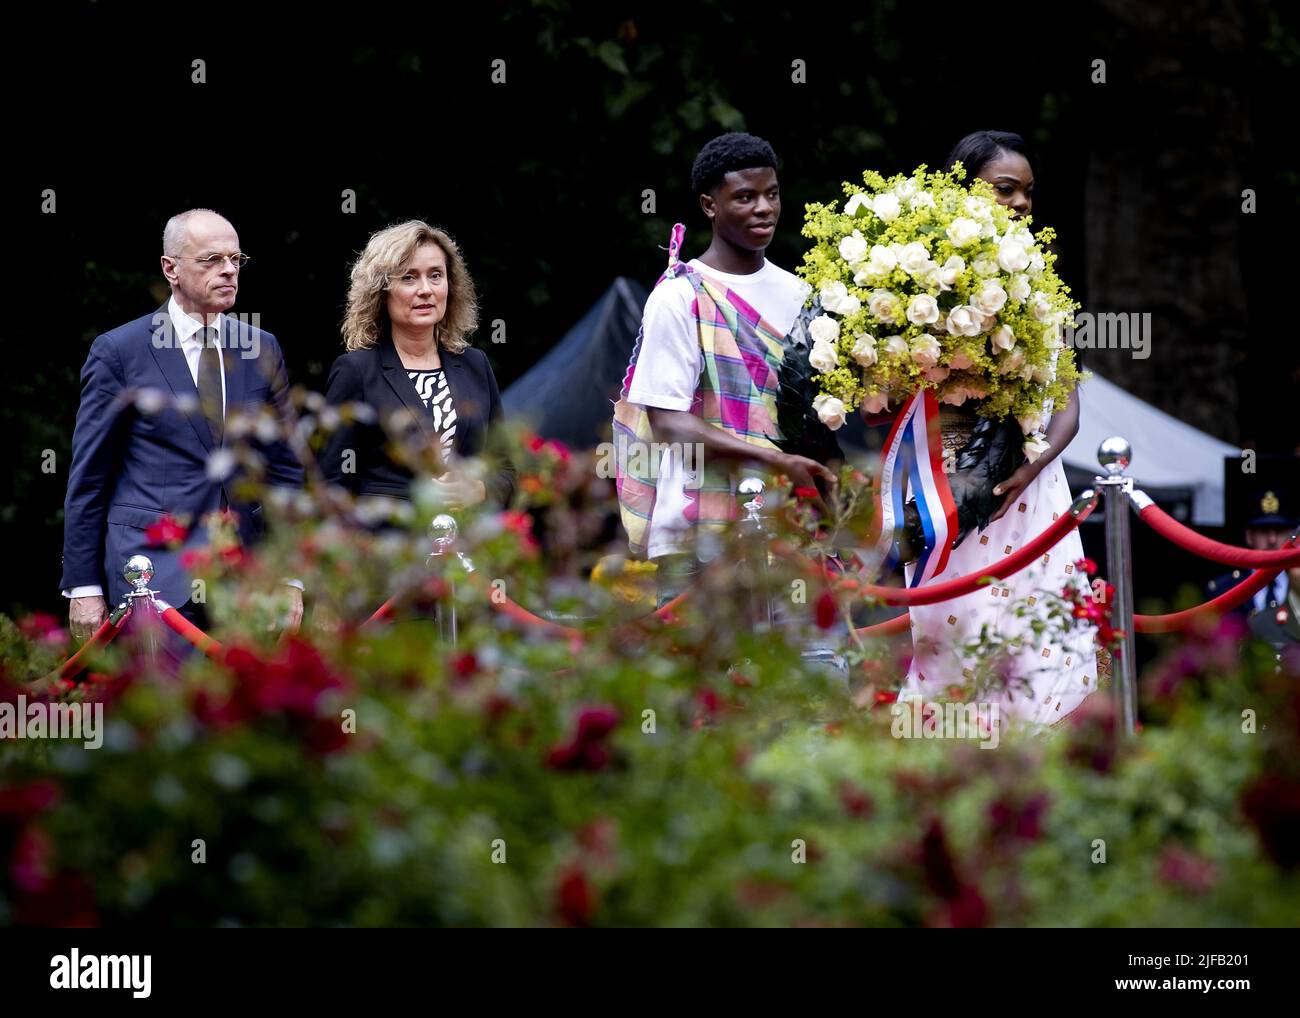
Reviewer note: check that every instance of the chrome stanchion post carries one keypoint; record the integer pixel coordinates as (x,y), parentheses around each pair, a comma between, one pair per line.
(1115,454)
(444,530)
(754,532)
(138,571)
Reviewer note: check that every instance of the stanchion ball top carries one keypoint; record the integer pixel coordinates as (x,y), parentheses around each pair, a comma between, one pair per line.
(138,571)
(1115,454)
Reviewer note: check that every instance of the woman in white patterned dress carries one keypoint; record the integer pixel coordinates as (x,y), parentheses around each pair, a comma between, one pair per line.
(1047,676)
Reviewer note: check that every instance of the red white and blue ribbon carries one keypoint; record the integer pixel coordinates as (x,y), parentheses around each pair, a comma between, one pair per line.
(913,457)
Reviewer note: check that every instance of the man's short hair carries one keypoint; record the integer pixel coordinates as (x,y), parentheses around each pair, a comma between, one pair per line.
(174,231)
(726,153)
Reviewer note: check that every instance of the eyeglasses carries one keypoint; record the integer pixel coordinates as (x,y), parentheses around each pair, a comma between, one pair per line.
(238,260)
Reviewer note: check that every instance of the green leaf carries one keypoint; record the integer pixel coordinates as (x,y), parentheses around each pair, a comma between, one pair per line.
(610,54)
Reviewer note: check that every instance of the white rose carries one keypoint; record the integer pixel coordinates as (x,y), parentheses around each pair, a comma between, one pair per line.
(963,231)
(926,351)
(864,349)
(986,265)
(990,297)
(896,345)
(885,306)
(824,357)
(1052,336)
(1012,256)
(1035,446)
(936,374)
(853,248)
(836,298)
(913,258)
(954,396)
(882,259)
(980,208)
(959,361)
(1043,375)
(922,199)
(964,321)
(855,202)
(886,207)
(1003,338)
(923,310)
(1036,264)
(1029,423)
(830,411)
(951,269)
(905,189)
(832,293)
(824,329)
(1019,288)
(1039,306)
(875,404)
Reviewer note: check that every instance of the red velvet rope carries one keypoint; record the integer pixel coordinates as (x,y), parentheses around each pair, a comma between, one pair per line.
(890,595)
(183,627)
(1171,623)
(956,587)
(890,627)
(384,611)
(1225,602)
(1227,554)
(76,664)
(519,613)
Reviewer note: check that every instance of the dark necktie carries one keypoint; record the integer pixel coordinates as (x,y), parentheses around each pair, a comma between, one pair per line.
(210,401)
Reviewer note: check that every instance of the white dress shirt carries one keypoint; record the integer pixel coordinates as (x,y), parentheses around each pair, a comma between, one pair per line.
(1276,594)
(187,334)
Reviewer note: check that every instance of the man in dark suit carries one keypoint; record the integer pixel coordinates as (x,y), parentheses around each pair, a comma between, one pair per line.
(150,438)
(1270,611)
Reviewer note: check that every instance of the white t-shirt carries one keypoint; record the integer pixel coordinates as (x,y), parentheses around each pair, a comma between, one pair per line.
(668,372)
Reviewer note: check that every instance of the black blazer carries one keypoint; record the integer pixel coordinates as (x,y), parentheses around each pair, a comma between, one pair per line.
(376,376)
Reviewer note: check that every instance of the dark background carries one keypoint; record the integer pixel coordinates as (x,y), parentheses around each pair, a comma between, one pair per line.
(541,179)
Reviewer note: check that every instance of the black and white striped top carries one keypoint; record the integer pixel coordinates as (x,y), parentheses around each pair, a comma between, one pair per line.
(432,387)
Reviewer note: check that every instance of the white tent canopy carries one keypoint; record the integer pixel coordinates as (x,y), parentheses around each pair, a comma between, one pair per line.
(1166,451)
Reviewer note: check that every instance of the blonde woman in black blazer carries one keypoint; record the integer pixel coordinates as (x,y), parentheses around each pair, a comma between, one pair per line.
(411,306)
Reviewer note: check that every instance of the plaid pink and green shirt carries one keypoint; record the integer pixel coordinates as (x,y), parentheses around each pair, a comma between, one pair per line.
(737,390)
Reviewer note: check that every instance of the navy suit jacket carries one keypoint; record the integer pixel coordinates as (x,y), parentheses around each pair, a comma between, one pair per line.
(129,467)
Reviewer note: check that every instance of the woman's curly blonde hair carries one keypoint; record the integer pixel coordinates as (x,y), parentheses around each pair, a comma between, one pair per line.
(387,254)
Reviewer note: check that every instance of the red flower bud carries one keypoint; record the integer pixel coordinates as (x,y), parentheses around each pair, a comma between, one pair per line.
(826,610)
(167,531)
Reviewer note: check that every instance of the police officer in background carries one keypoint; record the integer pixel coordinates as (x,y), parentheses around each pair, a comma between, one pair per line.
(1274,612)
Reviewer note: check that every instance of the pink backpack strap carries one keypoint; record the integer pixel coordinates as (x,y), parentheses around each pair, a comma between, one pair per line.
(675,265)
